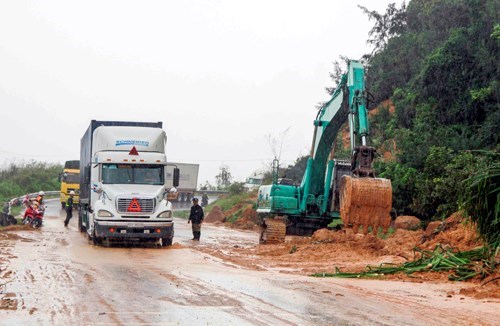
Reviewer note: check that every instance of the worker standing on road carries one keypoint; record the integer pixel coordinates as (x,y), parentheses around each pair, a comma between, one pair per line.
(196,219)
(69,208)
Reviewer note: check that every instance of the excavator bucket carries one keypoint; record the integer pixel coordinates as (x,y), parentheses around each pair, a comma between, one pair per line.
(365,202)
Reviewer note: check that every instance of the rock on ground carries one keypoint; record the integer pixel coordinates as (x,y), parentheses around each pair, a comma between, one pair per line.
(406,222)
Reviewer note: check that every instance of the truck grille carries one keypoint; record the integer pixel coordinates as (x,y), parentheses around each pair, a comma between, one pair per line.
(147,205)
(135,216)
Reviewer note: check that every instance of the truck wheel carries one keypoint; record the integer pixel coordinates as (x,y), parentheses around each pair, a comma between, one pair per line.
(63,205)
(166,242)
(81,227)
(95,239)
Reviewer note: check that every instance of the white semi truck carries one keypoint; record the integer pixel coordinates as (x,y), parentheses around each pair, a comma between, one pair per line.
(188,180)
(123,182)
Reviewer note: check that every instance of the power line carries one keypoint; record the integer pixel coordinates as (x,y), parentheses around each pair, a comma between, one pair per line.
(223,160)
(30,155)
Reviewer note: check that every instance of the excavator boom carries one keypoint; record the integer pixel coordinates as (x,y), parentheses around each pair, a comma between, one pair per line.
(332,188)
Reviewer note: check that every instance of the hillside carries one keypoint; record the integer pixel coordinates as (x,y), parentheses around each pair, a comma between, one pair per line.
(437,61)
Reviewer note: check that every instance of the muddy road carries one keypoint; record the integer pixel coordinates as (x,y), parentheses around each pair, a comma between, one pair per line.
(57,277)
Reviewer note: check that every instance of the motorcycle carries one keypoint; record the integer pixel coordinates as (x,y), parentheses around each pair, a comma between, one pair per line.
(33,216)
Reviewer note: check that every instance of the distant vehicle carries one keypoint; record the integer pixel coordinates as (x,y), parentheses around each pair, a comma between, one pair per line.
(254,181)
(70,181)
(188,180)
(123,183)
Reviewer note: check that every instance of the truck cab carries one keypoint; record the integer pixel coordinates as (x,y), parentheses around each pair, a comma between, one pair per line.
(70,181)
(123,184)
(253,182)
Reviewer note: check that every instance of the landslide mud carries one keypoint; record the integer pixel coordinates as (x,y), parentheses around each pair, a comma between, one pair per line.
(57,277)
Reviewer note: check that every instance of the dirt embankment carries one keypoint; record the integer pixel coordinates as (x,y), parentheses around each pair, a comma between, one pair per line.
(328,251)
(241,216)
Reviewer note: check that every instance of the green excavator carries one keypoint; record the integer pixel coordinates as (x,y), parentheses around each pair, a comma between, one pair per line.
(331,189)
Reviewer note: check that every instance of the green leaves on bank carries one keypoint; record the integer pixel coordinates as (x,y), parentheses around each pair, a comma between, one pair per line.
(463,265)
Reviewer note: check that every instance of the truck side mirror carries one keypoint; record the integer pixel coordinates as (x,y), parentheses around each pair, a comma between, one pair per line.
(177,173)
(86,174)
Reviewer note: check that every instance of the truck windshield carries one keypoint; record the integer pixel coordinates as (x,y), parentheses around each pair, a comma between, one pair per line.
(254,181)
(71,177)
(145,174)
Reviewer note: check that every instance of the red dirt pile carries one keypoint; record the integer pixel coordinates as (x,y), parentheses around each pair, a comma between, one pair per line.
(455,232)
(350,251)
(17,227)
(233,210)
(215,215)
(324,235)
(430,229)
(248,220)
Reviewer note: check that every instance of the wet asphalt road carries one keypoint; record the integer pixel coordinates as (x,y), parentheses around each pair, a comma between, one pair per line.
(61,279)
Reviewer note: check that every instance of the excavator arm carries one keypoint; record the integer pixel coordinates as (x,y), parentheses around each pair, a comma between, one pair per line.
(313,205)
(348,103)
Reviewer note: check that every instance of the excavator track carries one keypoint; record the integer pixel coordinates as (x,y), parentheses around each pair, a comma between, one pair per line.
(273,231)
(366,203)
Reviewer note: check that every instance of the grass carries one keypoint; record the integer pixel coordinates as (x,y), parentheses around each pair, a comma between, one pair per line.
(481,200)
(225,202)
(182,214)
(16,210)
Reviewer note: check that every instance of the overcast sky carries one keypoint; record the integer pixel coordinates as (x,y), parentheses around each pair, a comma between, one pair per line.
(220,75)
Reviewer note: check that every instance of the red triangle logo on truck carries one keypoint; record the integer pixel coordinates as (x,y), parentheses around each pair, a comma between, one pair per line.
(133,151)
(134,206)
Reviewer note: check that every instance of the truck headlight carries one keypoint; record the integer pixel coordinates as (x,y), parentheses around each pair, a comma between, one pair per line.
(104,213)
(165,214)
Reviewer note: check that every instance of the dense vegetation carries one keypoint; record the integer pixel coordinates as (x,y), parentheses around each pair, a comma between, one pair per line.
(480,199)
(22,178)
(438,62)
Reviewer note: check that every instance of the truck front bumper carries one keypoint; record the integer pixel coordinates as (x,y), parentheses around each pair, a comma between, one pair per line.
(133,229)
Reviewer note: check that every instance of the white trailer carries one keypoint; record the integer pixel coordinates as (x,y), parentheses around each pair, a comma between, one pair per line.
(123,182)
(188,180)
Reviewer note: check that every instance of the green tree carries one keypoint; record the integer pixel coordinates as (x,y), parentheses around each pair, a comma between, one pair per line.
(21,178)
(223,179)
(403,180)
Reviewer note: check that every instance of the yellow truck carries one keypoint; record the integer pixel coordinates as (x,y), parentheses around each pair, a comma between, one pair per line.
(70,181)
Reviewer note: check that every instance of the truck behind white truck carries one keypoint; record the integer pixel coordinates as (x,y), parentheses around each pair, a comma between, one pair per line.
(123,182)
(188,180)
